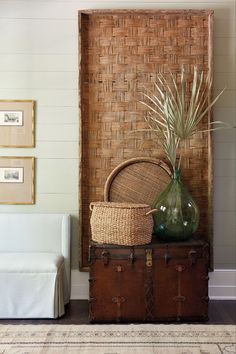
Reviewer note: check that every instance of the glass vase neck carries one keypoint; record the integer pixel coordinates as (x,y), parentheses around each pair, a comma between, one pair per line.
(176,174)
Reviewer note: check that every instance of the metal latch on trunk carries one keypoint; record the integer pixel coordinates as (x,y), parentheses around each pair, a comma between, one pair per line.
(192,256)
(105,257)
(131,257)
(149,257)
(167,258)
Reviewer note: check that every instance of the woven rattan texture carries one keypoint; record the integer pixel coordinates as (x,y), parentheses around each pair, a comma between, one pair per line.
(137,180)
(121,224)
(121,51)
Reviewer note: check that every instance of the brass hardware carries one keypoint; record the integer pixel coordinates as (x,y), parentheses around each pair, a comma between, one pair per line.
(192,256)
(105,257)
(167,257)
(206,254)
(131,257)
(205,298)
(179,298)
(92,280)
(91,255)
(149,257)
(119,268)
(118,300)
(180,268)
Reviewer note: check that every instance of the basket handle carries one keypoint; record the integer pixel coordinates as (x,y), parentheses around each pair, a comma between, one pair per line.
(91,206)
(151,211)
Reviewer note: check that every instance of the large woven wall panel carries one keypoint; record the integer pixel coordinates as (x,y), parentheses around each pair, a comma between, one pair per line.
(121,53)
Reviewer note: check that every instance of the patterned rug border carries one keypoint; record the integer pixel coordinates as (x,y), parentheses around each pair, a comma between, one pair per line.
(130,333)
(117,339)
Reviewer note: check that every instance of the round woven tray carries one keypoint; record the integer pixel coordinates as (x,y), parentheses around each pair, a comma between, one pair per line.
(138,180)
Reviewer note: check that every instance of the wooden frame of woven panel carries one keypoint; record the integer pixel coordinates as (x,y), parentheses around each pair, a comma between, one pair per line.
(120,51)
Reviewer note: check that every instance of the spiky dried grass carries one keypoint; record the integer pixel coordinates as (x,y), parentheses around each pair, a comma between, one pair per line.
(174,118)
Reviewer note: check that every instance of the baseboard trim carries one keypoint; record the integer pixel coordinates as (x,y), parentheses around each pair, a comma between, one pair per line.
(79,285)
(222,285)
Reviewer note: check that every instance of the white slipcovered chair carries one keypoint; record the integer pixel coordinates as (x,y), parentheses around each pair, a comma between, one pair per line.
(34,265)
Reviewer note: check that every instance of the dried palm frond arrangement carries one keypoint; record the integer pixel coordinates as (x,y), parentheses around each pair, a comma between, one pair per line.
(175,119)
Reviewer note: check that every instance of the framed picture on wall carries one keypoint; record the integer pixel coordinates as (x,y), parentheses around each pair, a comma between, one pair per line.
(17,180)
(17,123)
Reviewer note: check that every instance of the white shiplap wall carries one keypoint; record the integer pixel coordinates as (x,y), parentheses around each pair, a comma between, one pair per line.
(38,60)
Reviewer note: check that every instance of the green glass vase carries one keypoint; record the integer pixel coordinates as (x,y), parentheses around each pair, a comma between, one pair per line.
(176,215)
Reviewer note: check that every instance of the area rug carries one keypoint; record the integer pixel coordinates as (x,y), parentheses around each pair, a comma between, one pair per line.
(118,339)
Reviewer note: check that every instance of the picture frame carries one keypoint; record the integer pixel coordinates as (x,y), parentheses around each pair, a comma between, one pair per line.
(17,180)
(17,123)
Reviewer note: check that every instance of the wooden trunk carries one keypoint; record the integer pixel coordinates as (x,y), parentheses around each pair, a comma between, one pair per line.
(155,282)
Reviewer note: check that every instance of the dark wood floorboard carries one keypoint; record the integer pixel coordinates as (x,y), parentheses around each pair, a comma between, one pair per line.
(220,312)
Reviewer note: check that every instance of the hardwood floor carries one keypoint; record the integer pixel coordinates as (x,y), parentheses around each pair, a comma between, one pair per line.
(220,312)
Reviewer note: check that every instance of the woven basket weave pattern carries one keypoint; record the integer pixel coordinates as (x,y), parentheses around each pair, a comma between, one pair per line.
(121,224)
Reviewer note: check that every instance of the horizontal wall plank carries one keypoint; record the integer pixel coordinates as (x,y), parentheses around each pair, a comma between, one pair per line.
(227,99)
(225,228)
(42,96)
(221,277)
(80,285)
(224,27)
(222,80)
(57,176)
(56,115)
(39,80)
(222,284)
(224,168)
(229,234)
(225,255)
(225,135)
(51,132)
(224,194)
(48,150)
(45,203)
(37,10)
(38,62)
(224,64)
(58,202)
(224,150)
(223,46)
(42,36)
(225,114)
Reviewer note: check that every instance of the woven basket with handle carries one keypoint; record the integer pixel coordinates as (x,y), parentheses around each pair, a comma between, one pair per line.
(121,223)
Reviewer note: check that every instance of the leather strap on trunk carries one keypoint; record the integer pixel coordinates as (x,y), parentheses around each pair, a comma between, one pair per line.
(149,302)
